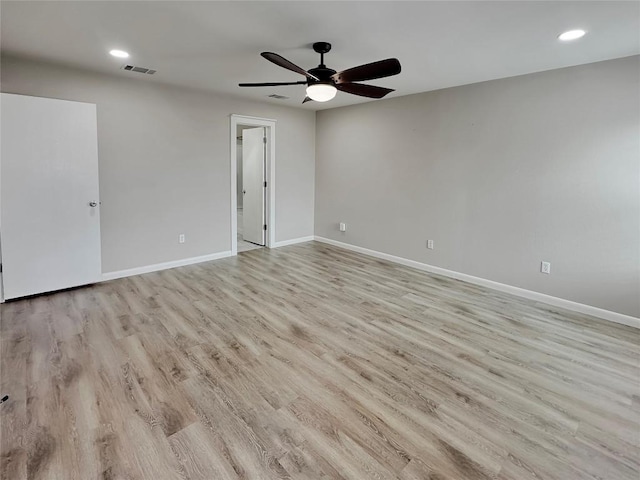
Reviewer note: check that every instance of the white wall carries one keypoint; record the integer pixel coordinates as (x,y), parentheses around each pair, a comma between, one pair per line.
(502,175)
(164,161)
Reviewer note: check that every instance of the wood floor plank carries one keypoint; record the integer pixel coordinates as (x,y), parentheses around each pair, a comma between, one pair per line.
(195,447)
(312,362)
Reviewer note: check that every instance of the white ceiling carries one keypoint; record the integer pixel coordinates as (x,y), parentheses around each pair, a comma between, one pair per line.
(216,45)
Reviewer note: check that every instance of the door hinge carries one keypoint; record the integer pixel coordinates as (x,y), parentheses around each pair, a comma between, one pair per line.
(265,184)
(264,227)
(264,139)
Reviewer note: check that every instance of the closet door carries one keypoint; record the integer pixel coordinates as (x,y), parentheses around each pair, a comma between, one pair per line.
(49,203)
(253,185)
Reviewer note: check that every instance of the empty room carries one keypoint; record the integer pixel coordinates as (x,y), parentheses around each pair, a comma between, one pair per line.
(320,240)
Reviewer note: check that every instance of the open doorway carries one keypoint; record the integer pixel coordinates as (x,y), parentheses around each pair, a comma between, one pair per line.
(252,185)
(251,191)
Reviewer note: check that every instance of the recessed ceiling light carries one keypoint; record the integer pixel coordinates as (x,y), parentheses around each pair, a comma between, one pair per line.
(571,35)
(119,53)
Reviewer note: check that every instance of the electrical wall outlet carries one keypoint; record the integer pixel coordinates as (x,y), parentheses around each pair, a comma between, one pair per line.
(181,238)
(430,244)
(343,227)
(545,267)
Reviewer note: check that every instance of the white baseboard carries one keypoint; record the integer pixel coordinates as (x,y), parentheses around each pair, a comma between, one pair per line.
(293,241)
(520,292)
(164,266)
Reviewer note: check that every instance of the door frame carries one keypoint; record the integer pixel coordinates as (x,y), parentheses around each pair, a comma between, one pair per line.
(270,205)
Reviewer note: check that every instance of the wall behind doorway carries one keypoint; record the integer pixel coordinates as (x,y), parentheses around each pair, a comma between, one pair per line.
(239,195)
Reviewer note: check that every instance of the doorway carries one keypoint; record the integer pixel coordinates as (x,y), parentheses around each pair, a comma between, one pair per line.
(251,178)
(252,183)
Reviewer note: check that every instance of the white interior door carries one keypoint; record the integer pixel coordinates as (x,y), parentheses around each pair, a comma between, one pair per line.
(253,171)
(49,208)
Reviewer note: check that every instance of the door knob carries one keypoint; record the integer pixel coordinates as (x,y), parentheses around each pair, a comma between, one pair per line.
(244,192)
(93,204)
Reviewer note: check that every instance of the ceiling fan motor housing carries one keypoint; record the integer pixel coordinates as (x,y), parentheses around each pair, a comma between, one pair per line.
(322,73)
(322,47)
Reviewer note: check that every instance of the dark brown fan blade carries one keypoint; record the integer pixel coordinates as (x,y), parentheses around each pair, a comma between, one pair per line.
(307,99)
(370,91)
(284,63)
(370,71)
(270,84)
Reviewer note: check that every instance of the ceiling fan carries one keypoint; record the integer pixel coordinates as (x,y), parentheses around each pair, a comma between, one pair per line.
(323,83)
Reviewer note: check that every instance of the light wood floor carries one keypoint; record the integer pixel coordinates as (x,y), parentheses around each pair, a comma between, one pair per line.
(311,362)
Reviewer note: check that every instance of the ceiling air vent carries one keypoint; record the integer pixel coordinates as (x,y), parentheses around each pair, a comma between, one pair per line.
(278,97)
(133,68)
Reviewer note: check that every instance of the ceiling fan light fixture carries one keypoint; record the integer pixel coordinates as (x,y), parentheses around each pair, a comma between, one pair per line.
(321,92)
(323,82)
